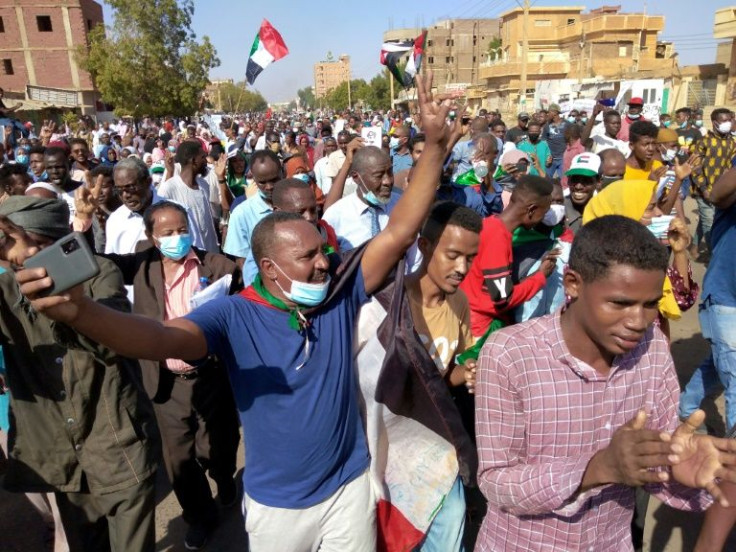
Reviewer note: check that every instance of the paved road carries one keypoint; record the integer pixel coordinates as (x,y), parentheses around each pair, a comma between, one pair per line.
(667,530)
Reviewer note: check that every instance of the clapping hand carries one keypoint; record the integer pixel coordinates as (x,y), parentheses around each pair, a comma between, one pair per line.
(702,458)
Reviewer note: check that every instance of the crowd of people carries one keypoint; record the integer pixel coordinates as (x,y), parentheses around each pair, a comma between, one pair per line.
(459,336)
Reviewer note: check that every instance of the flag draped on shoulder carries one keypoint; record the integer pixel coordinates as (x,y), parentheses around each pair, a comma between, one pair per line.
(415,435)
(392,52)
(267,48)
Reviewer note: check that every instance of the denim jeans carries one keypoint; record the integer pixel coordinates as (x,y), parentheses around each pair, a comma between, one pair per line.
(706,212)
(718,324)
(555,167)
(446,532)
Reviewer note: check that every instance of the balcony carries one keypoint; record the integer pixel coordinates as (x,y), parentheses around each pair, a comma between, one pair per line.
(628,23)
(725,23)
(499,69)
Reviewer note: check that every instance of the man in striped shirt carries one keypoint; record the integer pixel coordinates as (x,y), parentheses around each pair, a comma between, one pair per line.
(576,409)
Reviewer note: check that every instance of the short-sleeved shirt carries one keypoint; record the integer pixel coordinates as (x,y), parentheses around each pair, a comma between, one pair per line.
(302,428)
(240,229)
(720,278)
(197,200)
(633,173)
(554,135)
(401,162)
(445,329)
(540,149)
(462,154)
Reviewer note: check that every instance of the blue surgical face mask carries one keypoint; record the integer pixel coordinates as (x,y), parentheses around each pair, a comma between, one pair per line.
(660,225)
(304,177)
(26,149)
(393,142)
(372,198)
(21,159)
(666,124)
(175,247)
(699,123)
(583,119)
(264,195)
(571,119)
(302,293)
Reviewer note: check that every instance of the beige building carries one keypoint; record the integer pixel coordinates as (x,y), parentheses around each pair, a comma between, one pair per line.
(565,43)
(330,74)
(455,48)
(725,27)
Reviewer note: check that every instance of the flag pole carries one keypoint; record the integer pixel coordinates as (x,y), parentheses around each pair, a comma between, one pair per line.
(391,79)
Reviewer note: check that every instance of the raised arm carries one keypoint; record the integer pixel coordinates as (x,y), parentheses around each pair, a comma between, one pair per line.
(338,183)
(407,217)
(588,128)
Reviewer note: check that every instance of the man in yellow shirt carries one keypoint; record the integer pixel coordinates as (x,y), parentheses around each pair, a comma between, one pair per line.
(641,164)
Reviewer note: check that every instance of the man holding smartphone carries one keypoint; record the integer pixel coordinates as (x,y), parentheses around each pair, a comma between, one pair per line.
(80,427)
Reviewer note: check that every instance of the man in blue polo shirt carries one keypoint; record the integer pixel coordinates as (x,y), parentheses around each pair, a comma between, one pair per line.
(287,344)
(718,309)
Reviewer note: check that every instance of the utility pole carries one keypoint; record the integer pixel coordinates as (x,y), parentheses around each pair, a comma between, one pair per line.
(391,80)
(524,55)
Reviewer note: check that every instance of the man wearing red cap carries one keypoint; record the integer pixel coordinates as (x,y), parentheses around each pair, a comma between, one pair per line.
(634,114)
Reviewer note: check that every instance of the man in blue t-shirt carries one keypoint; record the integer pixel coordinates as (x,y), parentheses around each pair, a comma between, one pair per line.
(718,309)
(287,343)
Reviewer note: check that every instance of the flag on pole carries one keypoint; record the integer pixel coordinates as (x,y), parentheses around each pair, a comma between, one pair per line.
(392,52)
(267,48)
(415,60)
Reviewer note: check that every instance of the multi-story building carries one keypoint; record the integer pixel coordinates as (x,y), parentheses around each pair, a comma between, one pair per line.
(455,48)
(38,43)
(565,43)
(330,74)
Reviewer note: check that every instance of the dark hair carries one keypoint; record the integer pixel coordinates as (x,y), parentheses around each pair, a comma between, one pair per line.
(533,123)
(54,151)
(148,216)
(9,170)
(686,110)
(572,131)
(102,170)
(533,185)
(272,136)
(264,234)
(498,123)
(611,240)
(261,156)
(611,113)
(641,129)
(216,150)
(38,150)
(80,141)
(720,111)
(448,213)
(283,187)
(419,138)
(187,151)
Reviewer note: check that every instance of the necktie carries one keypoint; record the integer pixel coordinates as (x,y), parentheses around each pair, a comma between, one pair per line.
(375,227)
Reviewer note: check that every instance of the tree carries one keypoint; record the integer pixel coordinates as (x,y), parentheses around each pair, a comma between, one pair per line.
(236,99)
(149,62)
(306,98)
(493,48)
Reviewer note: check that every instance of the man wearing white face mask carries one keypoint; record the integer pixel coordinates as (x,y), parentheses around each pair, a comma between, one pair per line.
(717,150)
(194,409)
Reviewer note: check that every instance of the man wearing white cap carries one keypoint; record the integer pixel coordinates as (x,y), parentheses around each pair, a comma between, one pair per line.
(582,178)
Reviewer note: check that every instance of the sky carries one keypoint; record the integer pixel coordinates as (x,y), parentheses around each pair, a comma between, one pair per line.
(311,29)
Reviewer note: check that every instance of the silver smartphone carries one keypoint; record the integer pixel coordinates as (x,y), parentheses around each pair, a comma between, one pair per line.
(68,262)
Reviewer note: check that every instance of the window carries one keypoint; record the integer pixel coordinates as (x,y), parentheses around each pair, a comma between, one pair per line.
(8,66)
(430,60)
(622,51)
(473,59)
(475,40)
(89,24)
(429,43)
(452,42)
(542,22)
(447,42)
(44,23)
(570,21)
(2,25)
(447,59)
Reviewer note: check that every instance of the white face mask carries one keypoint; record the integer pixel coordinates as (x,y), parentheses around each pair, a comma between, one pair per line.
(724,128)
(660,226)
(554,215)
(669,155)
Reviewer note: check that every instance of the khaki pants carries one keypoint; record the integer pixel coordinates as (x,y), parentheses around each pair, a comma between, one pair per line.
(345,522)
(122,521)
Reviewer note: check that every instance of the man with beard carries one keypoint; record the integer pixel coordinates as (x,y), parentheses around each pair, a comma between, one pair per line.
(56,161)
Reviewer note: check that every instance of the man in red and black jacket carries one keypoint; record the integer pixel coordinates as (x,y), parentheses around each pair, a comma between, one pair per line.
(491,292)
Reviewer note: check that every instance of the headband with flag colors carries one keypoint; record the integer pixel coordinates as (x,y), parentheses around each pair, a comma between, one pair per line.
(267,48)
(392,52)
